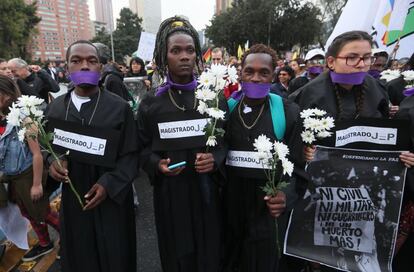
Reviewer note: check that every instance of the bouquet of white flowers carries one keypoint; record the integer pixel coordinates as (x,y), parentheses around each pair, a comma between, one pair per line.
(210,88)
(275,164)
(316,124)
(409,78)
(24,114)
(389,74)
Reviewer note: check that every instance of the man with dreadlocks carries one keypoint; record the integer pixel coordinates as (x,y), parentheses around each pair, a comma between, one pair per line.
(250,224)
(186,206)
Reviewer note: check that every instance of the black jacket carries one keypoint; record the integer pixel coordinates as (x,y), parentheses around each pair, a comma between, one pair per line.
(113,80)
(38,84)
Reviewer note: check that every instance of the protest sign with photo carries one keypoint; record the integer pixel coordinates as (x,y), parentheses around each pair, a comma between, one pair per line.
(348,218)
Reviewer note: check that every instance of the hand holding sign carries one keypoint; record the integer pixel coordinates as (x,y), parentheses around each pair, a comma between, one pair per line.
(407,158)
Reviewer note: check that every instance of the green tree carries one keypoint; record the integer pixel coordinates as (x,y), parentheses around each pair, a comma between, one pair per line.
(126,36)
(17,25)
(331,11)
(278,23)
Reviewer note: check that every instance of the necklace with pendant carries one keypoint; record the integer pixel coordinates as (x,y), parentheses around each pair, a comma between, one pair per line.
(182,108)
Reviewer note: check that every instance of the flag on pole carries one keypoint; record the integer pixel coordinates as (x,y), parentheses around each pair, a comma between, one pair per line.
(387,20)
(239,52)
(207,55)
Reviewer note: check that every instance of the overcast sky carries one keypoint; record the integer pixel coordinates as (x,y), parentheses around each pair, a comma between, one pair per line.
(198,11)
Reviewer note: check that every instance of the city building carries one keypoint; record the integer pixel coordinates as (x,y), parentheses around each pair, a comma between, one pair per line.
(98,26)
(149,11)
(222,5)
(104,13)
(63,22)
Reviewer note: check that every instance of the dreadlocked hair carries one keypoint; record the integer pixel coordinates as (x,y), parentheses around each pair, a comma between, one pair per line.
(261,49)
(170,26)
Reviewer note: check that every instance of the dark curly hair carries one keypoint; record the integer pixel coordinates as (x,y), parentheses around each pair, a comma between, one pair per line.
(170,26)
(261,49)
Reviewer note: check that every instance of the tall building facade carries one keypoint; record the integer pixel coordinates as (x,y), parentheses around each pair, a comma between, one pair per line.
(149,11)
(222,5)
(104,13)
(63,22)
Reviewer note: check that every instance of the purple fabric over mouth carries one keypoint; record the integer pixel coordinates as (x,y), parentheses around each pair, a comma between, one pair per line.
(409,92)
(375,73)
(191,86)
(315,70)
(255,90)
(85,77)
(350,79)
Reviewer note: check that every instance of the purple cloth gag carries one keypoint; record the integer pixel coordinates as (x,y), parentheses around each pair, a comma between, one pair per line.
(349,79)
(255,90)
(315,70)
(191,86)
(409,92)
(375,73)
(85,77)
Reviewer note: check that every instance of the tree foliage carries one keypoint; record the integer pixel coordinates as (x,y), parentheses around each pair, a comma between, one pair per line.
(17,25)
(331,11)
(278,23)
(126,36)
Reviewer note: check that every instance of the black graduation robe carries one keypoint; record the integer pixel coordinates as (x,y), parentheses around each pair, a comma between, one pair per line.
(320,93)
(187,214)
(250,229)
(101,239)
(403,259)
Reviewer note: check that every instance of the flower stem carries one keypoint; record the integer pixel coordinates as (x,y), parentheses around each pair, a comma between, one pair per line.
(50,150)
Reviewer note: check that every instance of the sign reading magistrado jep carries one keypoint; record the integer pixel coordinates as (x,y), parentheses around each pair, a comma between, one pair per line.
(368,134)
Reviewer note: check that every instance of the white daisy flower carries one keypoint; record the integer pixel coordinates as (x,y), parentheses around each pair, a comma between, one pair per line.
(21,134)
(211,141)
(408,75)
(202,107)
(307,113)
(216,113)
(319,112)
(232,74)
(205,94)
(281,149)
(327,123)
(389,74)
(308,137)
(323,134)
(220,84)
(218,70)
(287,167)
(13,118)
(206,80)
(263,144)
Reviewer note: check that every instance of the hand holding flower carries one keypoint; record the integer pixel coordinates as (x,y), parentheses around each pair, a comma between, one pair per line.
(204,163)
(276,204)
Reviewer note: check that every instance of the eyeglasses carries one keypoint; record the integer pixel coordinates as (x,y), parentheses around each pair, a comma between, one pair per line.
(317,61)
(355,60)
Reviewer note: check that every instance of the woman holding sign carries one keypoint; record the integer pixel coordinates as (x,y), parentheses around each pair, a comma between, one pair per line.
(186,215)
(346,91)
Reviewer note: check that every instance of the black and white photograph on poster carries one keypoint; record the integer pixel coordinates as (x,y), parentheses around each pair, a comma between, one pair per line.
(348,218)
(136,87)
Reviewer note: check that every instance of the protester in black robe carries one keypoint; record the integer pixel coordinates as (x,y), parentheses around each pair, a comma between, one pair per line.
(396,86)
(186,199)
(101,237)
(346,92)
(250,214)
(405,238)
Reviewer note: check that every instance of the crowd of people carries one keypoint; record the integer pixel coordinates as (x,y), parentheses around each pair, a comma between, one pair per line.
(210,216)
